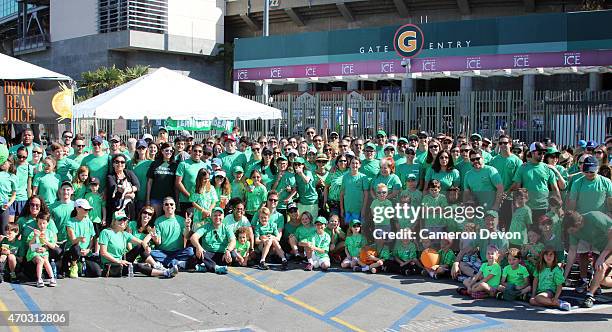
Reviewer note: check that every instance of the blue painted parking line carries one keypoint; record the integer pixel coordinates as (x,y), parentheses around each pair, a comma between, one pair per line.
(305,283)
(408,316)
(31,305)
(347,304)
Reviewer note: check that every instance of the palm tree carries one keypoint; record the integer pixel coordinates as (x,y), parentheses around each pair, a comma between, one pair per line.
(103,79)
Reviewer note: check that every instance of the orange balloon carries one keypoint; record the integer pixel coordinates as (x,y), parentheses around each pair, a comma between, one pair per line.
(429,258)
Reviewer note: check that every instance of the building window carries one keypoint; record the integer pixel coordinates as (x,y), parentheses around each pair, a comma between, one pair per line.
(141,15)
(8,8)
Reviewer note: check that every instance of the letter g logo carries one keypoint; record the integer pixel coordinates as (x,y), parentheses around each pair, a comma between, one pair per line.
(408,41)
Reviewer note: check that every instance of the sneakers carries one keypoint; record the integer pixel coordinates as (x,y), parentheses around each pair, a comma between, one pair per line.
(40,283)
(564,305)
(308,267)
(171,272)
(200,268)
(373,270)
(587,302)
(499,296)
(52,282)
(73,271)
(285,265)
(158,266)
(598,291)
(263,265)
(220,269)
(462,291)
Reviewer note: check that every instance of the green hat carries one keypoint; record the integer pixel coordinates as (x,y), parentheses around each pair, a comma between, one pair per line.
(403,139)
(238,169)
(552,150)
(119,215)
(381,132)
(281,158)
(370,145)
(477,135)
(299,160)
(321,220)
(413,136)
(218,209)
(492,213)
(354,222)
(411,177)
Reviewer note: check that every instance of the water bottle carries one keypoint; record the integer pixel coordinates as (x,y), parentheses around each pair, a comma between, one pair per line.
(130,270)
(83,267)
(54,268)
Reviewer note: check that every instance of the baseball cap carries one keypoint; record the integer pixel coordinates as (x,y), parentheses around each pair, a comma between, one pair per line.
(292,151)
(321,220)
(475,137)
(299,160)
(218,209)
(590,164)
(292,206)
(333,133)
(281,158)
(370,145)
(66,183)
(355,222)
(591,145)
(141,143)
(492,213)
(267,151)
(582,143)
(486,140)
(94,181)
(238,169)
(120,215)
(217,161)
(162,128)
(82,203)
(536,146)
(207,150)
(115,138)
(411,177)
(517,146)
(402,140)
(544,219)
(147,136)
(389,147)
(230,138)
(552,150)
(349,153)
(220,173)
(422,134)
(97,139)
(2,140)
(311,149)
(413,136)
(322,156)
(381,132)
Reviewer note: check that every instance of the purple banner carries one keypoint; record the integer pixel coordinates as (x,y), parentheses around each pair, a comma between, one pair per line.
(423,65)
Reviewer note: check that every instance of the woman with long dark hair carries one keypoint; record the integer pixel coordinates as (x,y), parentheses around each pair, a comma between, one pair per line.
(144,223)
(333,182)
(443,170)
(121,189)
(140,166)
(160,177)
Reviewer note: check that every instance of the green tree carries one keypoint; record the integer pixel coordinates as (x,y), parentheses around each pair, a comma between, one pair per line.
(103,79)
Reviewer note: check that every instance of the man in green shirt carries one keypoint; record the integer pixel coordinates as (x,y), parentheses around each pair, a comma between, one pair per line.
(27,141)
(231,157)
(66,167)
(483,182)
(213,243)
(370,165)
(97,162)
(591,192)
(305,183)
(170,237)
(595,228)
(507,164)
(186,174)
(79,151)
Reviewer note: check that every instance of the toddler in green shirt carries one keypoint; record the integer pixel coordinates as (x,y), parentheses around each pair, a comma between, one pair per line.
(515,278)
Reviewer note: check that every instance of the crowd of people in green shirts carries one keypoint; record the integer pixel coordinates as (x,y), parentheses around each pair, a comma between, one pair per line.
(97,207)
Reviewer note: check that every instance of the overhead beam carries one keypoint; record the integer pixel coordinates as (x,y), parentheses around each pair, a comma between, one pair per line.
(249,21)
(345,11)
(401,7)
(464,7)
(295,17)
(529,5)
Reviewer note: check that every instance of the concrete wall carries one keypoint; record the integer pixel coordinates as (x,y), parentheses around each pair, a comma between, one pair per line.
(200,19)
(73,18)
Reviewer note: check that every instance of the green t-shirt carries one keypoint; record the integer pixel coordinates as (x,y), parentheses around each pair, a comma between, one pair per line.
(98,168)
(536,178)
(116,243)
(232,160)
(463,167)
(353,187)
(370,168)
(494,270)
(521,218)
(51,237)
(321,241)
(304,234)
(26,226)
(66,168)
(98,204)
(204,200)
(238,190)
(286,181)
(405,251)
(447,179)
(403,170)
(595,230)
(82,228)
(421,155)
(8,185)
(215,239)
(432,219)
(78,159)
(133,227)
(516,276)
(549,280)
(268,229)
(48,186)
(306,190)
(275,218)
(392,182)
(339,234)
(24,172)
(140,170)
(243,248)
(416,196)
(482,183)
(378,207)
(334,181)
(255,198)
(60,212)
(506,167)
(15,247)
(80,190)
(354,243)
(447,257)
(267,178)
(289,229)
(170,230)
(233,224)
(591,195)
(188,169)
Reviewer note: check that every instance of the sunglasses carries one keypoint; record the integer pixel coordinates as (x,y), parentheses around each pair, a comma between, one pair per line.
(517,151)
(434,147)
(599,152)
(65,137)
(455,151)
(96,144)
(120,162)
(443,157)
(168,204)
(343,161)
(168,150)
(80,145)
(356,226)
(34,205)
(503,143)
(268,154)
(22,157)
(380,136)
(381,192)
(148,213)
(474,159)
(38,152)
(256,149)
(272,200)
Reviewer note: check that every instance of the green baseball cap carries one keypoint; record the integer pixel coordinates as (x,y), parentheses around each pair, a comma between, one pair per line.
(411,177)
(492,213)
(299,160)
(389,146)
(354,222)
(281,158)
(552,150)
(238,169)
(403,140)
(321,220)
(381,132)
(370,145)
(476,135)
(218,209)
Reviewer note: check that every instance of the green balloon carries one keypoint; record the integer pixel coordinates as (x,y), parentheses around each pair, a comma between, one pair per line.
(3,153)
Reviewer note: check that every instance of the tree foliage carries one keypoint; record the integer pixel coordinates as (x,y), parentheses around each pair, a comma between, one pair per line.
(103,79)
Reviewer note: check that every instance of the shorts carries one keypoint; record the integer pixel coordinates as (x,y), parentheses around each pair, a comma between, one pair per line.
(16,208)
(549,294)
(585,247)
(350,260)
(318,261)
(350,216)
(472,261)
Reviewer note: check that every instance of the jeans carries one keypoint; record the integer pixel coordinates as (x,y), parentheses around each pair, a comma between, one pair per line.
(170,258)
(212,259)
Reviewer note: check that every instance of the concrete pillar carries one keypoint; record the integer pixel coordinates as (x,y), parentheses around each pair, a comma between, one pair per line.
(595,81)
(465,89)
(236,87)
(303,87)
(528,97)
(528,85)
(352,85)
(258,90)
(408,85)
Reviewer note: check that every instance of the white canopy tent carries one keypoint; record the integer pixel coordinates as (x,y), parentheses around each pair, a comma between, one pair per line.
(15,69)
(165,94)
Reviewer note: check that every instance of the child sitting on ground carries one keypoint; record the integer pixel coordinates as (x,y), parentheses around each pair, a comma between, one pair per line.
(266,237)
(299,240)
(532,251)
(404,260)
(372,257)
(486,281)
(548,282)
(337,236)
(447,258)
(318,247)
(353,244)
(11,251)
(40,241)
(243,246)
(515,279)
